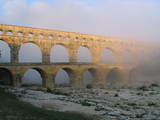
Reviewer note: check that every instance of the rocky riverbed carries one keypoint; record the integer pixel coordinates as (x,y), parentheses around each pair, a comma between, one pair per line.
(142,103)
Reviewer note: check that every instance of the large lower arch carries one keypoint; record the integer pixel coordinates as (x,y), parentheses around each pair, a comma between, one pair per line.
(126,57)
(84,55)
(113,77)
(59,54)
(6,77)
(88,77)
(107,56)
(5,54)
(63,77)
(34,77)
(30,53)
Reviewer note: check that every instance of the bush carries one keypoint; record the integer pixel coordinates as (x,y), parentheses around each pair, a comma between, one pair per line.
(154,85)
(84,103)
(49,90)
(143,88)
(89,86)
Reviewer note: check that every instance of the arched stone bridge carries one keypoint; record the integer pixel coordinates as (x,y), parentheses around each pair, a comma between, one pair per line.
(15,36)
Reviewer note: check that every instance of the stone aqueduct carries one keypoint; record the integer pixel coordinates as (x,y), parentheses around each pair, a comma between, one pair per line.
(15,36)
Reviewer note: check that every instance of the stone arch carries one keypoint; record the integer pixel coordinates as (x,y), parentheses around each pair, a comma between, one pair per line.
(5,52)
(34,77)
(33,42)
(88,77)
(6,77)
(63,77)
(126,57)
(59,54)
(25,51)
(84,54)
(107,56)
(113,77)
(6,40)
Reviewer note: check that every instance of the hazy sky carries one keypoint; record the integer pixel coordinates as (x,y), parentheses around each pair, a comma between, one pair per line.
(130,19)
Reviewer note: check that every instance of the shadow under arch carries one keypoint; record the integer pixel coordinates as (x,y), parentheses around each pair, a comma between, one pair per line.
(89,76)
(113,77)
(84,54)
(25,50)
(5,52)
(33,42)
(32,73)
(63,77)
(6,77)
(59,53)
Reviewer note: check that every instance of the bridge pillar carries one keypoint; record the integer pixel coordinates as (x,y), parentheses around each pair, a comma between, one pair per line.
(76,79)
(72,55)
(99,79)
(17,79)
(45,58)
(14,53)
(118,58)
(46,55)
(48,82)
(95,56)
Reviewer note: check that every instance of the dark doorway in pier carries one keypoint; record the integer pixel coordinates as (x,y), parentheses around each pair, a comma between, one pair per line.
(33,77)
(5,77)
(59,54)
(88,78)
(113,77)
(30,53)
(107,56)
(84,55)
(126,57)
(5,55)
(62,78)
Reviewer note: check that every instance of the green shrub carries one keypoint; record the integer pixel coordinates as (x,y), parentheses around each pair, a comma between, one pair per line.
(84,103)
(89,86)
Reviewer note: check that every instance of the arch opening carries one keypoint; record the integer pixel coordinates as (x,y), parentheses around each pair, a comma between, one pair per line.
(84,55)
(5,54)
(88,78)
(126,57)
(59,54)
(107,56)
(113,77)
(30,53)
(63,78)
(33,77)
(6,77)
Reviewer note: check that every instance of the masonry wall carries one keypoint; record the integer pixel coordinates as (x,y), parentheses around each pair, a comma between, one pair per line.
(15,36)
